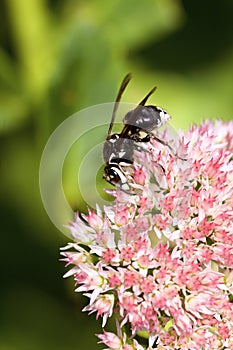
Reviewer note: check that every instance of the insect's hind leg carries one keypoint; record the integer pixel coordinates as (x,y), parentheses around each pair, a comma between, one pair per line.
(164,143)
(142,149)
(150,136)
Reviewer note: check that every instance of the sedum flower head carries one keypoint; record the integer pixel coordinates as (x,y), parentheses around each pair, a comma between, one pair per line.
(161,260)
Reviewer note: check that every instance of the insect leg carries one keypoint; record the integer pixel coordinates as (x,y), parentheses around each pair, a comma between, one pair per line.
(164,143)
(142,149)
(141,139)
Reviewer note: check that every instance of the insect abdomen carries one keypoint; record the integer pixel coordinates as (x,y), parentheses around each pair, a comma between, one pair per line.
(146,118)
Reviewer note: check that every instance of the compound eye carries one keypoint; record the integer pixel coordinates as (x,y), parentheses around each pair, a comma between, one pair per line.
(112,175)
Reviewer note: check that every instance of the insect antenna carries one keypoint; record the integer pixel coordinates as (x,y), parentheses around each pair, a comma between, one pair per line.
(142,103)
(124,83)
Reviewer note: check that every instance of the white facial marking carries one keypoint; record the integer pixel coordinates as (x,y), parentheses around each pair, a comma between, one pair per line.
(120,174)
(125,164)
(125,187)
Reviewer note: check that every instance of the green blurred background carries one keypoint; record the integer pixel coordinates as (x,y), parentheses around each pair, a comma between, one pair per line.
(57,57)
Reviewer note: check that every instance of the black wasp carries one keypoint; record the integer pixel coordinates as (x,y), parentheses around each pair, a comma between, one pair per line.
(119,148)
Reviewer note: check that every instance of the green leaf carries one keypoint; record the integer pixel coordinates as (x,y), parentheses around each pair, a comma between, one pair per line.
(168,325)
(143,334)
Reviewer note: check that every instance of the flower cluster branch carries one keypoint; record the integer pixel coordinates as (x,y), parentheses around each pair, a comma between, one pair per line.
(161,261)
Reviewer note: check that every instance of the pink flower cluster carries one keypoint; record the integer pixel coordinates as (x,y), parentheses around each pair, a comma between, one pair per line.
(161,261)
